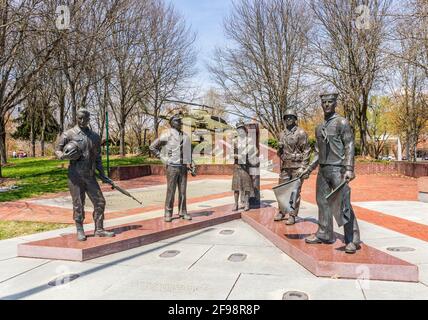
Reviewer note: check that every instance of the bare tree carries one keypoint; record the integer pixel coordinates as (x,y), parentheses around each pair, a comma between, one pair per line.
(349,52)
(378,125)
(138,125)
(82,43)
(262,72)
(412,96)
(413,26)
(217,103)
(22,24)
(170,57)
(127,52)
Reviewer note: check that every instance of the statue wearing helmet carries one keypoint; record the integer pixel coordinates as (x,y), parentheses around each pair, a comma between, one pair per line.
(82,147)
(294,152)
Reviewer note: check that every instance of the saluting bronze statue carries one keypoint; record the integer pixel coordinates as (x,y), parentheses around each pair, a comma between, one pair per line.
(174,149)
(82,147)
(242,183)
(294,152)
(334,152)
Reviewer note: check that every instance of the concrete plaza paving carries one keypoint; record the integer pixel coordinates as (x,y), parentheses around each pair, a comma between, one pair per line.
(201,268)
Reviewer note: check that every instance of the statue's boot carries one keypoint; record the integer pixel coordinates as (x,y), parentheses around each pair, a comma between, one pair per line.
(247,202)
(279,216)
(99,230)
(247,206)
(185,216)
(80,232)
(313,239)
(351,248)
(236,208)
(290,221)
(168,217)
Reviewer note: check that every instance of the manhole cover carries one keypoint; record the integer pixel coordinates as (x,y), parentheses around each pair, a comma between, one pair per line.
(400,249)
(169,254)
(295,295)
(63,279)
(237,257)
(227,232)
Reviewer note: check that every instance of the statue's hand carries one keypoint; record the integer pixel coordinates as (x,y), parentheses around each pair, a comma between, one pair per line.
(349,175)
(304,173)
(59,155)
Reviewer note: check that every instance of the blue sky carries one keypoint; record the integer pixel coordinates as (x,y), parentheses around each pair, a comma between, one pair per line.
(206,19)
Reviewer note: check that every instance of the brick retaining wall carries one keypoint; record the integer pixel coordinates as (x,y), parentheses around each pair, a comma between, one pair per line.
(415,170)
(423,189)
(136,171)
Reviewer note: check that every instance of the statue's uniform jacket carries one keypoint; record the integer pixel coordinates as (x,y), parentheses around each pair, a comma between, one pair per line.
(295,154)
(174,149)
(81,172)
(335,154)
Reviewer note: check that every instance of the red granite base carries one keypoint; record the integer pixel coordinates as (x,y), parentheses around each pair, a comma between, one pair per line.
(325,260)
(321,259)
(128,236)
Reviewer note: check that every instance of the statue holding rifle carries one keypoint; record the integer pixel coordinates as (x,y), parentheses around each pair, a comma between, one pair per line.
(294,152)
(82,147)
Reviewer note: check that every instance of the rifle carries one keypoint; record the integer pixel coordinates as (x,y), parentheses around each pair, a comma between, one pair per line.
(340,186)
(115,186)
(192,169)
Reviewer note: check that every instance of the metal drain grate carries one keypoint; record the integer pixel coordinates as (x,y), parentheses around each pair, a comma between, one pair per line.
(237,257)
(400,249)
(169,254)
(295,295)
(227,232)
(63,279)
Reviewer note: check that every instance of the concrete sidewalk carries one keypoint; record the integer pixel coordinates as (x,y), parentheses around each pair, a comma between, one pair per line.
(201,264)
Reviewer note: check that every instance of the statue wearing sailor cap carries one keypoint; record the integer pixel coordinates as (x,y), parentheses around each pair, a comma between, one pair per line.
(294,152)
(334,153)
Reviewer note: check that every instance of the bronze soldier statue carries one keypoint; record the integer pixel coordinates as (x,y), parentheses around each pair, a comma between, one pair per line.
(294,152)
(334,152)
(242,183)
(174,148)
(82,147)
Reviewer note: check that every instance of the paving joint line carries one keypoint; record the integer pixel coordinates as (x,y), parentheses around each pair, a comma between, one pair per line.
(362,290)
(200,257)
(233,287)
(26,271)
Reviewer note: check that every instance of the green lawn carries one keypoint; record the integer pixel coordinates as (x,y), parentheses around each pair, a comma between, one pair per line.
(37,176)
(11,229)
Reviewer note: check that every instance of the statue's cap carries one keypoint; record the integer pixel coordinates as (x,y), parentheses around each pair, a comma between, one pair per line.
(329,96)
(83,111)
(240,124)
(290,112)
(177,116)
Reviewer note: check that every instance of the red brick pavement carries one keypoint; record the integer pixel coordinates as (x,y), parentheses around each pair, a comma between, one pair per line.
(364,188)
(26,211)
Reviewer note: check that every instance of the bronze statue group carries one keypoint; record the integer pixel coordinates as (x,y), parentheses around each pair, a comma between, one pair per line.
(333,154)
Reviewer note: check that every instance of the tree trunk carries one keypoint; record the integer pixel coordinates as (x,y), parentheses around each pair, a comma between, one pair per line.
(122,136)
(62,113)
(32,140)
(3,152)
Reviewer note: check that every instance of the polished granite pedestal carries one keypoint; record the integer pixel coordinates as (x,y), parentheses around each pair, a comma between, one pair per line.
(322,260)
(329,260)
(128,236)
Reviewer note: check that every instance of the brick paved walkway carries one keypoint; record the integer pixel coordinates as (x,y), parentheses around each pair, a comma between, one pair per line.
(364,188)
